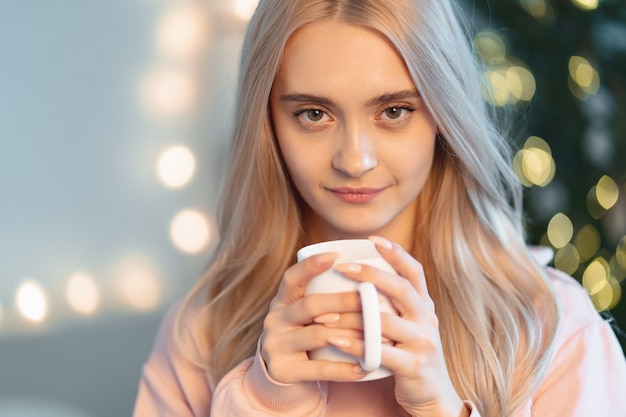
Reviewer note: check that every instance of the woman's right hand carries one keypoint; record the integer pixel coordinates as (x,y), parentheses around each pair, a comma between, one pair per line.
(295,325)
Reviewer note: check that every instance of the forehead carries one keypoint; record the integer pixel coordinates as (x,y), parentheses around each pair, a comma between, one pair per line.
(330,56)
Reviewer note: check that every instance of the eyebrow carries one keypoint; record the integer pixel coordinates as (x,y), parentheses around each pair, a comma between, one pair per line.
(383,98)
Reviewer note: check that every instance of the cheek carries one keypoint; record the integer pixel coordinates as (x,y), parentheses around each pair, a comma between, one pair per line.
(413,163)
(296,162)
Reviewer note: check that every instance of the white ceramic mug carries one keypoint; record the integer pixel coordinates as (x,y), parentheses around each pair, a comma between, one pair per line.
(360,251)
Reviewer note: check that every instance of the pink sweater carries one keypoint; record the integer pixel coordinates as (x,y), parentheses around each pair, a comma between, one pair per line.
(587,377)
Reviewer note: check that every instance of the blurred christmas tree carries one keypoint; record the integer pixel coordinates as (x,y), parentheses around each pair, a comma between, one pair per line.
(562,63)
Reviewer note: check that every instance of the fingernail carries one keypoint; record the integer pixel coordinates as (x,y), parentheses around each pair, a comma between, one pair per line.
(381,242)
(339,342)
(327,318)
(327,258)
(348,268)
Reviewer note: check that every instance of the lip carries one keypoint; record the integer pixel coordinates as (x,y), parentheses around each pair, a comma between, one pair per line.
(359,195)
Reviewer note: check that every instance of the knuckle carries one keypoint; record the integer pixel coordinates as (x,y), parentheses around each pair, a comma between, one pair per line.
(270,320)
(349,300)
(418,266)
(289,278)
(309,305)
(269,344)
(317,332)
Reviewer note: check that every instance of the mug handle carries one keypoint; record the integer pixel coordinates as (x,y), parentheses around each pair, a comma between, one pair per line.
(371,326)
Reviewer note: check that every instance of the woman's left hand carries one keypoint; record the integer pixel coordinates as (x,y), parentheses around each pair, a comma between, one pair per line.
(422,383)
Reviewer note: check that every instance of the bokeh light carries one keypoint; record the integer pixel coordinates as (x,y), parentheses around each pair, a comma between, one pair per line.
(618,271)
(586,4)
(596,275)
(139,286)
(82,293)
(603,288)
(534,164)
(190,231)
(539,9)
(31,301)
(521,83)
(607,192)
(176,166)
(594,207)
(567,259)
(587,242)
(491,47)
(182,32)
(583,80)
(620,252)
(508,80)
(244,9)
(169,92)
(560,230)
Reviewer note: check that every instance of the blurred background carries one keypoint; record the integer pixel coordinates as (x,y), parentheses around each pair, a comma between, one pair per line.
(114,120)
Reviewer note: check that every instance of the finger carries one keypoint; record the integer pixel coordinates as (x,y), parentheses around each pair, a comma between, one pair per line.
(405,362)
(408,333)
(404,264)
(298,275)
(403,296)
(305,339)
(313,370)
(344,320)
(307,308)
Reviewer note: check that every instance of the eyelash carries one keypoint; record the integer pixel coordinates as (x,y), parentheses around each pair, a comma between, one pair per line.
(311,124)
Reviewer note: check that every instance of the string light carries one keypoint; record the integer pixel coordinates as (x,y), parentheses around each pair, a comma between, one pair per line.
(169,92)
(82,293)
(583,80)
(593,206)
(586,4)
(520,83)
(539,9)
(567,259)
(31,301)
(620,252)
(604,289)
(617,269)
(607,192)
(560,230)
(182,32)
(244,9)
(491,47)
(190,231)
(138,284)
(176,166)
(587,242)
(534,164)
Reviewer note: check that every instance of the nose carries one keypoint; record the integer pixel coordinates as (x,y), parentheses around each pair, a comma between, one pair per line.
(355,153)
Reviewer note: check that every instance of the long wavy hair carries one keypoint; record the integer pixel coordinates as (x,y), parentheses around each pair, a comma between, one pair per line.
(498,314)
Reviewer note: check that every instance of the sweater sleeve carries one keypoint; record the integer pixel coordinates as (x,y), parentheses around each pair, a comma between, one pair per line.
(171,384)
(248,390)
(587,377)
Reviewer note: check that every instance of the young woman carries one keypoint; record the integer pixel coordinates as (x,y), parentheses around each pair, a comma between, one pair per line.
(357,119)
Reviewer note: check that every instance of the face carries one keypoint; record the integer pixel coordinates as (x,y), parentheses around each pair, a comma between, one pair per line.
(354,132)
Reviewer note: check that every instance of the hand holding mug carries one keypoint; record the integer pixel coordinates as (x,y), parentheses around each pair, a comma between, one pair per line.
(362,252)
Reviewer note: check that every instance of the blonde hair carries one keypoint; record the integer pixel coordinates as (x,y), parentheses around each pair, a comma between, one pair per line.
(497,312)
